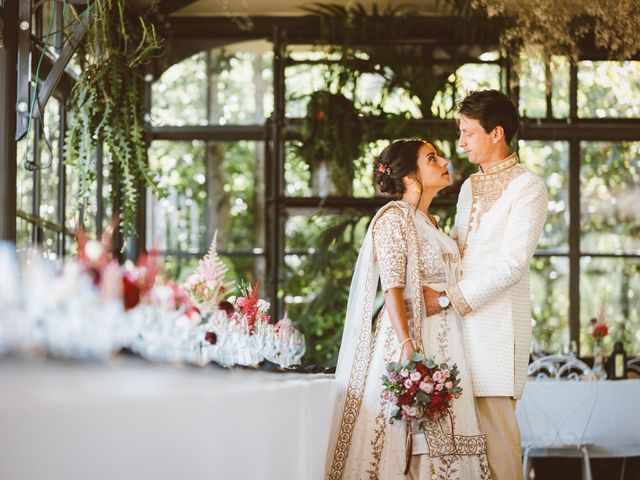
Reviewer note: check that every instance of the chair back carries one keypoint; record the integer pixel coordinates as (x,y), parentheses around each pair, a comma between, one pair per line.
(633,367)
(557,403)
(560,367)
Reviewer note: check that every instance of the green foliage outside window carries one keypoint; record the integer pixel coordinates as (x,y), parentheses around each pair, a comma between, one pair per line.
(322,246)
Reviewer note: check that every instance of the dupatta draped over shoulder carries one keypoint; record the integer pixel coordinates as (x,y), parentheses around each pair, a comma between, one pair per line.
(402,264)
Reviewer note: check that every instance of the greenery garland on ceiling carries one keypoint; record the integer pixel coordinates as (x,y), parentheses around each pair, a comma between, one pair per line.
(107,106)
(560,27)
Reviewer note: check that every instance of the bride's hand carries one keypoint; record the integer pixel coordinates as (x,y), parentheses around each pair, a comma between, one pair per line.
(406,350)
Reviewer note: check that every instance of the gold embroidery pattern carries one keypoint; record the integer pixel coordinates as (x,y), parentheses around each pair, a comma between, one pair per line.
(416,287)
(450,258)
(458,302)
(487,188)
(443,337)
(446,468)
(381,422)
(390,239)
(441,444)
(434,267)
(484,468)
(377,331)
(355,388)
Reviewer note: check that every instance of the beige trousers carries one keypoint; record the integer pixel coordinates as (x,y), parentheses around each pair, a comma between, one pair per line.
(497,419)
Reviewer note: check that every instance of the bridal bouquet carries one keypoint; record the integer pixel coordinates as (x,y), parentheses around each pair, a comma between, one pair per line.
(420,389)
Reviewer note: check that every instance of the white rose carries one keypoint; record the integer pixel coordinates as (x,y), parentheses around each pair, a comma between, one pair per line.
(263,306)
(93,250)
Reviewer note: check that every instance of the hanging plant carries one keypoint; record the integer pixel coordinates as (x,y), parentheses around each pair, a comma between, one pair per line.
(332,134)
(107,106)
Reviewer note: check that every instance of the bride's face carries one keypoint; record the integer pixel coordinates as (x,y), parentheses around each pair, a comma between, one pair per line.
(432,169)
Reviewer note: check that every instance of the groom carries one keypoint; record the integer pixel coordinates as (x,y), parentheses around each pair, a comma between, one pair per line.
(500,215)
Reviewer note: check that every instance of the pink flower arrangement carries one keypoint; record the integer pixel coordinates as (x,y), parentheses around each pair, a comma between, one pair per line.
(131,284)
(248,307)
(206,286)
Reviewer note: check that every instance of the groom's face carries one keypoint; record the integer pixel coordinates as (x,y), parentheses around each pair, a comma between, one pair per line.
(474,140)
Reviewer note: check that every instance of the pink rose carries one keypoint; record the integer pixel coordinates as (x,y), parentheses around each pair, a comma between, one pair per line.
(241,302)
(394,377)
(437,375)
(446,373)
(448,385)
(439,387)
(415,376)
(404,373)
(409,412)
(408,383)
(426,387)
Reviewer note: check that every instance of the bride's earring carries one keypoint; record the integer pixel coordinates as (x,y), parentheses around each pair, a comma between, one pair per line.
(416,186)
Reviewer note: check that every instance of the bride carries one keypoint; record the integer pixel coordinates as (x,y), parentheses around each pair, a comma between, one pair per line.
(405,250)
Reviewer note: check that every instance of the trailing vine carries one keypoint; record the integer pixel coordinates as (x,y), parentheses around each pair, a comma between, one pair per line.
(107,106)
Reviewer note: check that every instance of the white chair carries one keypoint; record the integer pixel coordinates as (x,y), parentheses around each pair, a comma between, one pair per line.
(550,433)
(634,365)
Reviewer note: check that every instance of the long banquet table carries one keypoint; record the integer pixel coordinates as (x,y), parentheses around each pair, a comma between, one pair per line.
(129,419)
(603,414)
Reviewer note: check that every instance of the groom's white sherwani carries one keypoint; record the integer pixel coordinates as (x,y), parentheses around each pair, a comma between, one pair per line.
(499,219)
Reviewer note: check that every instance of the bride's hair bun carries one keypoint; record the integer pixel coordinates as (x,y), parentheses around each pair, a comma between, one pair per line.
(394,163)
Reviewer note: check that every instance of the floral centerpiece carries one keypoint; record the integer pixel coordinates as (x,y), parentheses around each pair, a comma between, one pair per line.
(206,286)
(599,330)
(248,307)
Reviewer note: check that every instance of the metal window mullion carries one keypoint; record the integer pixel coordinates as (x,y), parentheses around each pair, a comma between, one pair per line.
(62,180)
(36,233)
(274,169)
(99,189)
(8,146)
(574,213)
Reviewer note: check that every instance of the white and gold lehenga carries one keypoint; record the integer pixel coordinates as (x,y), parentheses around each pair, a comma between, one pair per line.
(402,249)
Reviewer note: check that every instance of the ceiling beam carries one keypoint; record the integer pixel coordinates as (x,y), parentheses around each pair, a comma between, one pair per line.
(307,29)
(167,7)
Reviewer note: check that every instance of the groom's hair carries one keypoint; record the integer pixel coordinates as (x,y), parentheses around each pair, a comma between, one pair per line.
(491,108)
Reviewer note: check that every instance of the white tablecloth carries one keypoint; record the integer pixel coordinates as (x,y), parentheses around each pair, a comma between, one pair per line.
(133,420)
(605,414)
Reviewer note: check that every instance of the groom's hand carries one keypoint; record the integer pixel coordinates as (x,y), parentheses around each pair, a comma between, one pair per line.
(431,301)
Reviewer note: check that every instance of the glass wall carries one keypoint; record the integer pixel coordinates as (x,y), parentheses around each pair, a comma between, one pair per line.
(212,118)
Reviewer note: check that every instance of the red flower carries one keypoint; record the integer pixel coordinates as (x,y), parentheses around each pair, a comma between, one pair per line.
(131,293)
(422,369)
(227,308)
(600,330)
(405,399)
(211,337)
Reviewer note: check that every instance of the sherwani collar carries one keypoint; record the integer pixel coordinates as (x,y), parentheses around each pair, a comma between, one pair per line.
(504,165)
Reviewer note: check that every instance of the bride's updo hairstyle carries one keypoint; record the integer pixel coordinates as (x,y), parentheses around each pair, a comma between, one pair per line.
(396,162)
